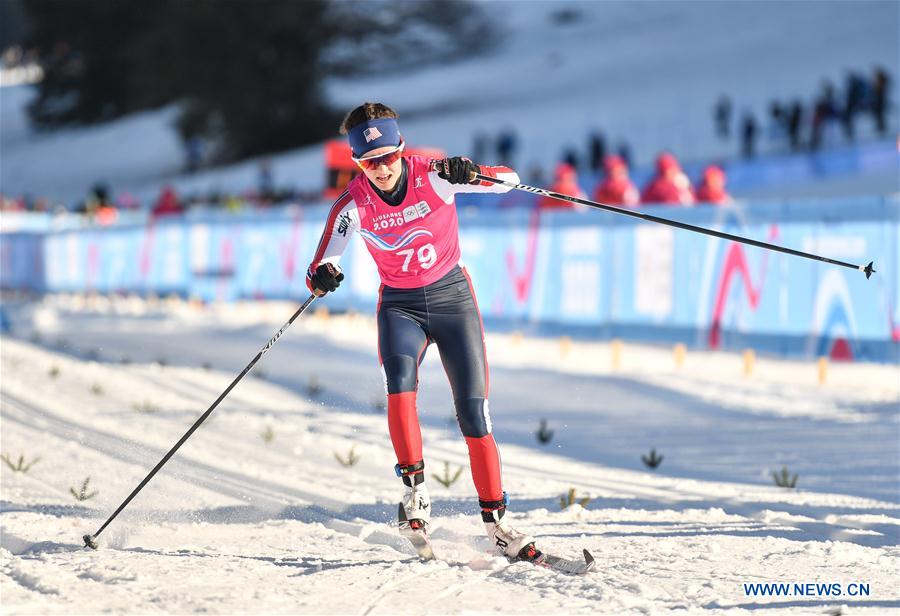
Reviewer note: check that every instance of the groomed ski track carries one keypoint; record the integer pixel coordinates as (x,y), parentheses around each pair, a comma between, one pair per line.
(237,525)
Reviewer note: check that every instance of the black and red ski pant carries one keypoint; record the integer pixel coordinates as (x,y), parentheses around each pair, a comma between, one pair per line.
(444,313)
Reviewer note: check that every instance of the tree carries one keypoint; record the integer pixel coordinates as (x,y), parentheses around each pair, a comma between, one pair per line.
(247,74)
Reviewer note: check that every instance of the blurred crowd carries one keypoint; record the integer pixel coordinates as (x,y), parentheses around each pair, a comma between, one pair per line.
(608,172)
(605,170)
(669,185)
(796,126)
(101,207)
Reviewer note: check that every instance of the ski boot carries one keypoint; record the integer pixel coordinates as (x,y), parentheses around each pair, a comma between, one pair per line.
(417,506)
(414,511)
(513,544)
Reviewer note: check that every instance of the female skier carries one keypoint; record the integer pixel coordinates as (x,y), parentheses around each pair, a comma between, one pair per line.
(404,209)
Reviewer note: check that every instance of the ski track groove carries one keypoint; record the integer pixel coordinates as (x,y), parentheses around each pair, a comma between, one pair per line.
(385,589)
(216,480)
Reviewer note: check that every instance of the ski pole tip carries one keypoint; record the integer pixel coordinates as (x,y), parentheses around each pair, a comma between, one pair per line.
(869,269)
(90,542)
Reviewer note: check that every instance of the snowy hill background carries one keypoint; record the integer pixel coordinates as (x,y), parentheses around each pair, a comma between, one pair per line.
(647,72)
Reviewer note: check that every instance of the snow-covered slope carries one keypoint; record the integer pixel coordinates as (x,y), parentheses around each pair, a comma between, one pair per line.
(255,515)
(647,72)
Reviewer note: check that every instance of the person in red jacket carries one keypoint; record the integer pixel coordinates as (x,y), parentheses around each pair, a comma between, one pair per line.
(565,182)
(712,187)
(616,188)
(670,185)
(167,204)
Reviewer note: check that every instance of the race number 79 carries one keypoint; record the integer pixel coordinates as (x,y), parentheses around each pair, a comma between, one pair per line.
(426,255)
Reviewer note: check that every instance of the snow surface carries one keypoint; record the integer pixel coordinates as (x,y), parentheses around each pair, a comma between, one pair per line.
(648,72)
(237,525)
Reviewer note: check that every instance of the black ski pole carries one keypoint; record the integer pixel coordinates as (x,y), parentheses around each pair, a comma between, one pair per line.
(867,269)
(91,540)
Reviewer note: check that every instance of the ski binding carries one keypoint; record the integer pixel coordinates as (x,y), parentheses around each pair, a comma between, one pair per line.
(416,534)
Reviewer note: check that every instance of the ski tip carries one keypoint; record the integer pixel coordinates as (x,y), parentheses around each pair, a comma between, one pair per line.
(90,542)
(869,269)
(587,557)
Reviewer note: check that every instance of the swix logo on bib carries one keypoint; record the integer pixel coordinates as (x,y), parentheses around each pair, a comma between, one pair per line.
(414,243)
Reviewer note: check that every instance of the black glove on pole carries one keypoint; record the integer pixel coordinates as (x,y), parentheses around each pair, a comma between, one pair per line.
(91,540)
(326,278)
(457,170)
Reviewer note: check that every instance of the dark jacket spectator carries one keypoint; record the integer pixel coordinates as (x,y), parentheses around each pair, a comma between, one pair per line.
(167,204)
(670,185)
(748,136)
(712,187)
(616,188)
(596,151)
(722,116)
(794,123)
(565,182)
(824,112)
(880,99)
(507,143)
(854,101)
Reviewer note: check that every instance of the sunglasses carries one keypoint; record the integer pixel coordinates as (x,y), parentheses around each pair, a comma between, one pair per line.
(389,158)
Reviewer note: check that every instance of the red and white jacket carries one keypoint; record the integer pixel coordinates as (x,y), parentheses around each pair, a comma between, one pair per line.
(414,243)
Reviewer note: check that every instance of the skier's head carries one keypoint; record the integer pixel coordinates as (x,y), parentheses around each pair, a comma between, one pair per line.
(375,143)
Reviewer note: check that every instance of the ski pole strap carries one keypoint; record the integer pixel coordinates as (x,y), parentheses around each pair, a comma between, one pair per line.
(410,468)
(495,504)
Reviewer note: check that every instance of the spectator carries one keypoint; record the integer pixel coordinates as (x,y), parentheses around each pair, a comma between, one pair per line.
(748,136)
(824,113)
(854,102)
(506,147)
(670,185)
(722,116)
(127,201)
(105,213)
(794,123)
(566,183)
(570,157)
(167,204)
(712,187)
(880,85)
(777,124)
(234,203)
(616,188)
(596,151)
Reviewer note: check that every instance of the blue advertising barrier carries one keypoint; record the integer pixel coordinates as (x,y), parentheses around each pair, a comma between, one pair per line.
(590,273)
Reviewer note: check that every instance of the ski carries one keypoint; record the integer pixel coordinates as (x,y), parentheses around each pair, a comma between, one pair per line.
(560,564)
(416,536)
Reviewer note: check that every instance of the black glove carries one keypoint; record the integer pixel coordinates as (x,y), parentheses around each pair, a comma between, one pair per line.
(457,170)
(327,277)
